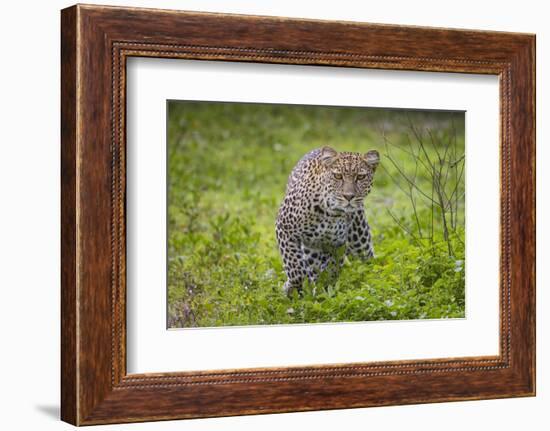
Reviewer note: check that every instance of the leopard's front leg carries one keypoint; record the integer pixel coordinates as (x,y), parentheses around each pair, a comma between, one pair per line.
(290,248)
(317,261)
(359,242)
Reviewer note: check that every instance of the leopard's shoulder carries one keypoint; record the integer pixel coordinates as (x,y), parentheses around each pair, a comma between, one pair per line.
(306,167)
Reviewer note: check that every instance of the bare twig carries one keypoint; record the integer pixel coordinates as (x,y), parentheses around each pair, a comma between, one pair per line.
(436,157)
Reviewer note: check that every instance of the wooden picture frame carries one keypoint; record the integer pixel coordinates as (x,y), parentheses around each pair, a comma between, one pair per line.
(95,43)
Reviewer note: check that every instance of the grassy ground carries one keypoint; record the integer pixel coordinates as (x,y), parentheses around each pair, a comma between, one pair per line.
(228,165)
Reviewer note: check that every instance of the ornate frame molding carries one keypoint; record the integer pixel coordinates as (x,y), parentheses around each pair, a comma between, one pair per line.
(96,41)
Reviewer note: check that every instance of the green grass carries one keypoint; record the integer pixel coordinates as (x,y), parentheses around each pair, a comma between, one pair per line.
(228,165)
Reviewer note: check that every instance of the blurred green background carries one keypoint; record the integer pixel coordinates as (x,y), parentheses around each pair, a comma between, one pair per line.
(228,165)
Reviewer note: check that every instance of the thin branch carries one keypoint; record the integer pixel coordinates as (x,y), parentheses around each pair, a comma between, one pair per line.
(403,227)
(406,177)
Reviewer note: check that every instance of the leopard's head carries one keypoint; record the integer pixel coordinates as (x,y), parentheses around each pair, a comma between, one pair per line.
(347,178)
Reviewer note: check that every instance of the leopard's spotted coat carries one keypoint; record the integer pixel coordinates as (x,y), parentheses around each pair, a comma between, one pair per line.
(323,212)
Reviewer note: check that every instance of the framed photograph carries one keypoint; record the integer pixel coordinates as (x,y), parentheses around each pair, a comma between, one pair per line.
(264,215)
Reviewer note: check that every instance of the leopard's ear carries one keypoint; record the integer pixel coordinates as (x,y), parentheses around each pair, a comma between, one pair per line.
(328,155)
(372,158)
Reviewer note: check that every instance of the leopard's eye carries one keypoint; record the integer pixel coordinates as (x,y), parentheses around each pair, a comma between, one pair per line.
(337,175)
(361,177)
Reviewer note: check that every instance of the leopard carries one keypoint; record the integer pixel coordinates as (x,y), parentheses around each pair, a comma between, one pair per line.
(321,218)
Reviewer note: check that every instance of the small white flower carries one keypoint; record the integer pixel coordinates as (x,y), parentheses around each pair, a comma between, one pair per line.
(269,273)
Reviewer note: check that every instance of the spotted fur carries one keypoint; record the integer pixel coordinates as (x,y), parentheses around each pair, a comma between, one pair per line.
(323,212)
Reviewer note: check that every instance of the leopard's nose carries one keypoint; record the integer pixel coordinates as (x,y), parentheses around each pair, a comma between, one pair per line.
(348,196)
